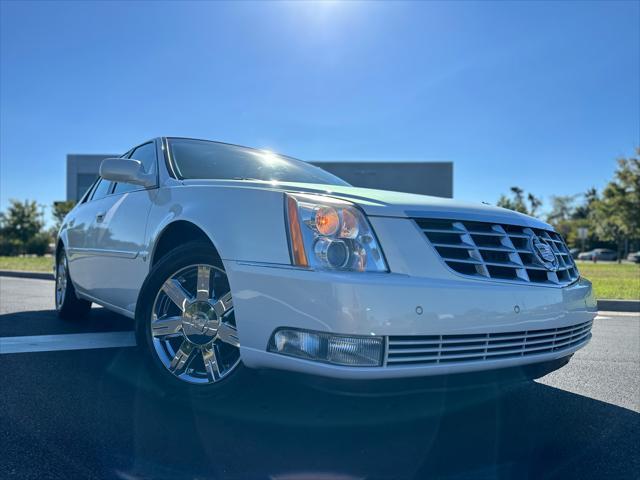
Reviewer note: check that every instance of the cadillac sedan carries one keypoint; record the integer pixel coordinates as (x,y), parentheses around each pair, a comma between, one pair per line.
(231,258)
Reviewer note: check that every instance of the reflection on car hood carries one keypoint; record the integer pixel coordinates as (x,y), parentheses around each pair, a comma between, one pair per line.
(386,203)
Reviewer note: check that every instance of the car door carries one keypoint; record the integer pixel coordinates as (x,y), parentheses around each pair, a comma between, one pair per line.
(117,237)
(78,228)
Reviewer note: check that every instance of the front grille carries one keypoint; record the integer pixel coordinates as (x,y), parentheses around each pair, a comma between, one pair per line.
(439,349)
(500,251)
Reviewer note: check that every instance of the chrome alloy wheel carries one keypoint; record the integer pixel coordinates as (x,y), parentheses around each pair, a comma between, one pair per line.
(193,325)
(61,280)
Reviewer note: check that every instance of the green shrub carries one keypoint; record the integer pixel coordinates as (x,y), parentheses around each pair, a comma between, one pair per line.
(9,247)
(39,244)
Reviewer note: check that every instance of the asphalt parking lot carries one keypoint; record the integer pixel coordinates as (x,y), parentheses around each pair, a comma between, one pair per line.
(86,412)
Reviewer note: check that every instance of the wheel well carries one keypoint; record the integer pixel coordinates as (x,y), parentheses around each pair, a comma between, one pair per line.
(179,233)
(59,248)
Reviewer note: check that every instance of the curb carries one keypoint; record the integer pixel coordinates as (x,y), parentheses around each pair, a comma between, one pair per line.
(26,274)
(619,305)
(603,305)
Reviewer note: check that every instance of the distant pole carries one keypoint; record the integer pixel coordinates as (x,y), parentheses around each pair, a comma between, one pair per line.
(42,210)
(582,234)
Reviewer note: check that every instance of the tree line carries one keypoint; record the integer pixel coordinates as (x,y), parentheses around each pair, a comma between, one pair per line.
(22,227)
(611,217)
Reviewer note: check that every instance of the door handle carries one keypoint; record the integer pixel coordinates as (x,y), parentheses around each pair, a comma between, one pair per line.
(100,217)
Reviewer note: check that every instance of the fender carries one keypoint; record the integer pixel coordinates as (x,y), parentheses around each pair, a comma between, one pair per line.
(225,215)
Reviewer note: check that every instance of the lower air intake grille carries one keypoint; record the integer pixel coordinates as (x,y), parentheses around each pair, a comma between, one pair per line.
(438,349)
(501,251)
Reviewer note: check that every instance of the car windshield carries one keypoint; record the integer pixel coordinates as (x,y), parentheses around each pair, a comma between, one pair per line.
(201,159)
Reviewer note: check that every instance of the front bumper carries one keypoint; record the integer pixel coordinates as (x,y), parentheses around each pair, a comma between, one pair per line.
(388,304)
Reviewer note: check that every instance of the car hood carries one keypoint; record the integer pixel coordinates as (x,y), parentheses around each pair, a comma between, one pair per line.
(384,203)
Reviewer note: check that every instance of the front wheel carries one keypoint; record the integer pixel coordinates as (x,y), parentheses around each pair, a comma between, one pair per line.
(186,322)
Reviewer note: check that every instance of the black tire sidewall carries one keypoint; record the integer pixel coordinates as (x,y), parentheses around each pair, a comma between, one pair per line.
(72,307)
(180,257)
(59,307)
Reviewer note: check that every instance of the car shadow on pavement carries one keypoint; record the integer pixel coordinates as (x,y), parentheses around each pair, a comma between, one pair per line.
(282,429)
(46,322)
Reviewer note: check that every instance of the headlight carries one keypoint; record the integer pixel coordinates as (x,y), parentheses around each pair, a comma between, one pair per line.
(331,234)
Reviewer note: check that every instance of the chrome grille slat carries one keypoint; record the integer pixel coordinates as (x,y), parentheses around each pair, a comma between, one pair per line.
(500,252)
(494,264)
(490,234)
(532,266)
(478,347)
(444,230)
(519,344)
(490,249)
(489,337)
(484,354)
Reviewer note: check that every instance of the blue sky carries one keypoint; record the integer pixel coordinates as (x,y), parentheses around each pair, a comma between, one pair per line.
(542,95)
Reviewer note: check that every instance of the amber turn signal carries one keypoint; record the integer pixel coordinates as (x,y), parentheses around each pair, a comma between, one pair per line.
(297,245)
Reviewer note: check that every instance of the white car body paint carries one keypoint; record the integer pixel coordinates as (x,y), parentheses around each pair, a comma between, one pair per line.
(110,257)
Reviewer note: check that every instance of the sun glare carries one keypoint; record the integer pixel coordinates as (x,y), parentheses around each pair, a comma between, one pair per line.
(270,159)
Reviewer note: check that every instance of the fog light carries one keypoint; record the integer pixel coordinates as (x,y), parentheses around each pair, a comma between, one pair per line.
(355,351)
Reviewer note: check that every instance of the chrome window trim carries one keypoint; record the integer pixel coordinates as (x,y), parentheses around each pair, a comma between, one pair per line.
(168,160)
(89,193)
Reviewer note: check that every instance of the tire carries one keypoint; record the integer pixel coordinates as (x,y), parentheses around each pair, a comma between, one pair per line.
(68,305)
(185,323)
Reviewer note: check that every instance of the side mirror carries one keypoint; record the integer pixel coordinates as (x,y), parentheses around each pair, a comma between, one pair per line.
(126,170)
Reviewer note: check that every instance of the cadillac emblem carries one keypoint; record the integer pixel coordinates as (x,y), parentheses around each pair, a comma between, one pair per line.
(544,253)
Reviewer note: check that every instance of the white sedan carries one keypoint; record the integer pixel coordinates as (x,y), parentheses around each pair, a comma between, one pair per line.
(231,258)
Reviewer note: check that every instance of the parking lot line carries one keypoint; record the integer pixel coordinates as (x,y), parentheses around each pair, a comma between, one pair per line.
(75,341)
(607,314)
